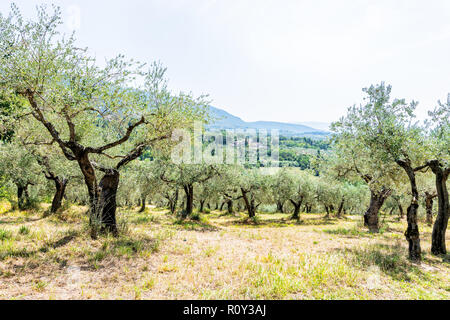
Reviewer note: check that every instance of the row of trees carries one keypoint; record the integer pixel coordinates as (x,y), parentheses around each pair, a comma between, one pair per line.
(181,187)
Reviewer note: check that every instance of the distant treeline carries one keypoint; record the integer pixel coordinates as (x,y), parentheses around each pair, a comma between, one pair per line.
(292,153)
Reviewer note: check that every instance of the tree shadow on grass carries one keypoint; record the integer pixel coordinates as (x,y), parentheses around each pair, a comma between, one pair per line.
(20,220)
(195,225)
(124,246)
(59,243)
(12,252)
(351,232)
(390,259)
(445,258)
(257,222)
(224,214)
(144,219)
(316,221)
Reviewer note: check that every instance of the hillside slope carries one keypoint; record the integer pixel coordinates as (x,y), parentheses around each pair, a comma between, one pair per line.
(225,120)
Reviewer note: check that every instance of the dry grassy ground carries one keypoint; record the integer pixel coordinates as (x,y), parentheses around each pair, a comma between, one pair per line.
(218,257)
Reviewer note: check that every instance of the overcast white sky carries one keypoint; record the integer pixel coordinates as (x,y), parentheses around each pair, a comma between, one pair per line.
(289,61)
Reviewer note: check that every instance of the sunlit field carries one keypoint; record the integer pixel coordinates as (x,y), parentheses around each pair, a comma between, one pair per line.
(283,153)
(212,256)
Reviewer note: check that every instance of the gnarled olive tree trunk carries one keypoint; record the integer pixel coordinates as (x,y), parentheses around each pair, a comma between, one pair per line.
(22,196)
(189,191)
(400,211)
(249,203)
(230,206)
(60,185)
(90,180)
(376,202)
(143,200)
(429,206)
(412,232)
(107,204)
(341,207)
(327,210)
(60,182)
(280,206)
(297,205)
(175,202)
(443,214)
(202,205)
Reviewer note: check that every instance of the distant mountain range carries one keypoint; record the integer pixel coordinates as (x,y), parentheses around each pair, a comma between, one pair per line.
(324,126)
(225,120)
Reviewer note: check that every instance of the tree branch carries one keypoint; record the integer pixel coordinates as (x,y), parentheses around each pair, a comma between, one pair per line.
(117,142)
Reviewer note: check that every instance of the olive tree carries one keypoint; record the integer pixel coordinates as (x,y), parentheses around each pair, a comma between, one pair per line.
(145,178)
(385,128)
(209,191)
(186,176)
(281,185)
(19,166)
(427,190)
(57,171)
(356,154)
(355,196)
(171,193)
(114,112)
(254,186)
(328,194)
(299,188)
(390,135)
(227,185)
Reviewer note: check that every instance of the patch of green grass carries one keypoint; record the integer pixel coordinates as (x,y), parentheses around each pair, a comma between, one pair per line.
(8,249)
(128,246)
(311,276)
(97,256)
(124,246)
(210,251)
(198,225)
(5,234)
(122,226)
(354,232)
(148,283)
(40,286)
(24,230)
(137,293)
(167,267)
(144,219)
(391,259)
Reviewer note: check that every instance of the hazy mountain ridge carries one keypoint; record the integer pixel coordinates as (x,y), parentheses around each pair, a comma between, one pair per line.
(324,126)
(225,120)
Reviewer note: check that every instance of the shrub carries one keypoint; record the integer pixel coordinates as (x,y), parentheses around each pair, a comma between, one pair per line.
(196,216)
